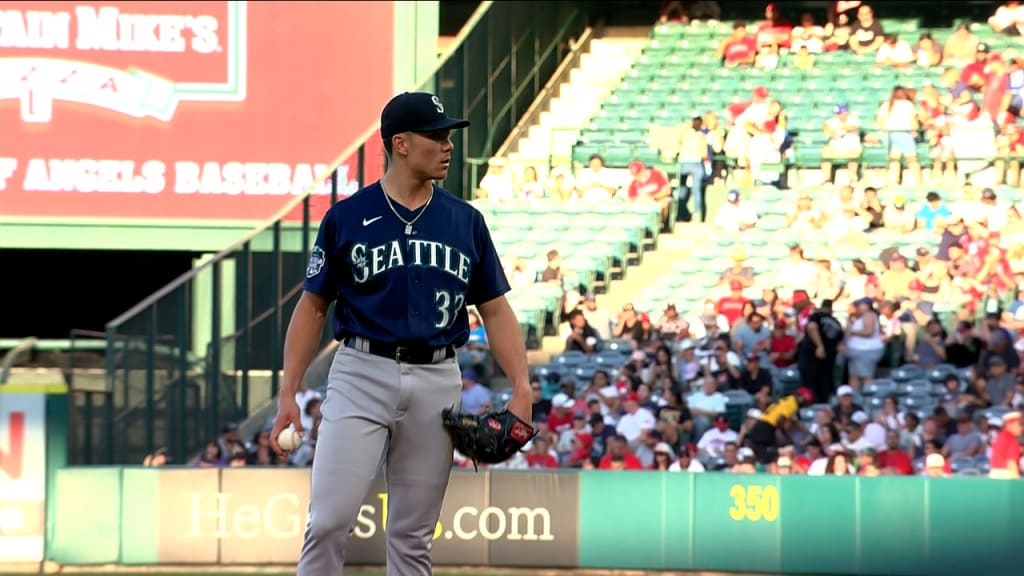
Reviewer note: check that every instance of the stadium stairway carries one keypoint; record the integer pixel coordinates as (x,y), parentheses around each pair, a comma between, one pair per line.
(601,69)
(672,248)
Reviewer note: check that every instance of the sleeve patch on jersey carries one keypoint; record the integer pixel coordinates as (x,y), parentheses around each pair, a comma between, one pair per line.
(316,262)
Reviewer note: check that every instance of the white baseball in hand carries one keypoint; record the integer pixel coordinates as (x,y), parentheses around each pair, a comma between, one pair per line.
(289,439)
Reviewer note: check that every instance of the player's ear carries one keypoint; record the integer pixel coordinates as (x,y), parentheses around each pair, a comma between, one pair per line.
(400,143)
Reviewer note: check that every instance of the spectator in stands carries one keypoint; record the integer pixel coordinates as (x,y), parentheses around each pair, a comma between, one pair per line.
(767,147)
(802,59)
(159,458)
(837,33)
(895,281)
(715,133)
(844,142)
(897,218)
(474,352)
(211,456)
(686,462)
(864,345)
(541,455)
(827,282)
(898,121)
(583,337)
(804,218)
(1004,463)
(838,464)
(894,52)
(807,35)
(1010,149)
(735,215)
(966,443)
(530,187)
(867,463)
(1008,19)
(671,326)
(229,438)
(926,345)
(999,341)
(817,351)
(706,405)
(866,34)
(893,460)
(935,466)
(561,184)
(740,49)
(694,156)
(476,398)
(713,441)
(767,55)
(497,184)
(775,28)
(618,451)
(661,367)
(663,457)
(731,306)
(960,48)
(649,183)
(739,270)
(797,271)
(541,405)
(782,346)
(753,338)
(854,438)
(673,11)
(595,183)
(757,381)
(1000,383)
(974,75)
(927,52)
(687,364)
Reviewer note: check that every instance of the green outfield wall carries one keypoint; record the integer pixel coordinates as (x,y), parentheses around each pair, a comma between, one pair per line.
(626,520)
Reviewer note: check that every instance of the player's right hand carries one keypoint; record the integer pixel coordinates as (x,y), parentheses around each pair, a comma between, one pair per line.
(287,415)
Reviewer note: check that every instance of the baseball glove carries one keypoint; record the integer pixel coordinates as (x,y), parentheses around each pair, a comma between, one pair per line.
(490,438)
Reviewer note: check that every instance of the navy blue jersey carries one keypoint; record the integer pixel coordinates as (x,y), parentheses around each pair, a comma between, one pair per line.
(407,290)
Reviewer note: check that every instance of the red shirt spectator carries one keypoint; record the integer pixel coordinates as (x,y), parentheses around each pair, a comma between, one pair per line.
(740,49)
(775,28)
(731,306)
(782,346)
(629,459)
(897,460)
(1006,448)
(541,460)
(560,418)
(975,74)
(647,182)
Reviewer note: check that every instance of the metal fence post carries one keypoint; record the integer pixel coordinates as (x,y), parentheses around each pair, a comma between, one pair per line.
(275,284)
(334,187)
(245,309)
(177,424)
(150,378)
(213,380)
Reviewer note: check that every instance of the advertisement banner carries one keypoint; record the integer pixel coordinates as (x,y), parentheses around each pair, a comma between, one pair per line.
(22,474)
(184,110)
(254,516)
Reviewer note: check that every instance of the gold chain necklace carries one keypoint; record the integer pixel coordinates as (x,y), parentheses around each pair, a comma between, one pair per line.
(408,223)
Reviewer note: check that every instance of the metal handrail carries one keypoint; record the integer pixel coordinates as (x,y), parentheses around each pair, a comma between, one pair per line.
(349,151)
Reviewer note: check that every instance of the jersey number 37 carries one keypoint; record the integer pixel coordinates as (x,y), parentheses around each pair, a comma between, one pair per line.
(448,308)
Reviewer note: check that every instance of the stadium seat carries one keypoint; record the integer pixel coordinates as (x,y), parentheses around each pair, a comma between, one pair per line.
(908,372)
(881,387)
(938,374)
(918,387)
(619,344)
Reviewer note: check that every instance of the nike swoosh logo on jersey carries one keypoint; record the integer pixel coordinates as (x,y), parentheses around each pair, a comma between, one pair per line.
(368,221)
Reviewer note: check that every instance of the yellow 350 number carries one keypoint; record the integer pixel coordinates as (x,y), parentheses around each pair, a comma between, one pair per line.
(754,503)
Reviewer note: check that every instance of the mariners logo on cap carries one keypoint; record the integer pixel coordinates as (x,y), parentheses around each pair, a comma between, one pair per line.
(316,262)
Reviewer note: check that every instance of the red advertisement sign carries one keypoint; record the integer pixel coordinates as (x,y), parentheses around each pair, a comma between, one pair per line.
(191,110)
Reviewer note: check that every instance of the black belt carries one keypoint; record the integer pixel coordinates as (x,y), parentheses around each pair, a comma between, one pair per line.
(405,354)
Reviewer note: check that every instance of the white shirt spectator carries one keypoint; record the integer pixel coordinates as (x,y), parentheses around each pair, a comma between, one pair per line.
(820,466)
(859,444)
(714,440)
(875,434)
(715,403)
(734,217)
(302,399)
(809,37)
(1007,17)
(633,425)
(895,54)
(497,185)
(695,466)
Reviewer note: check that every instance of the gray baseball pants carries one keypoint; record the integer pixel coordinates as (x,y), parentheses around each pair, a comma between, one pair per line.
(378,411)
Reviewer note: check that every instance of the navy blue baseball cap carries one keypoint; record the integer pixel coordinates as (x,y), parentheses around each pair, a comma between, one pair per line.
(416,112)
